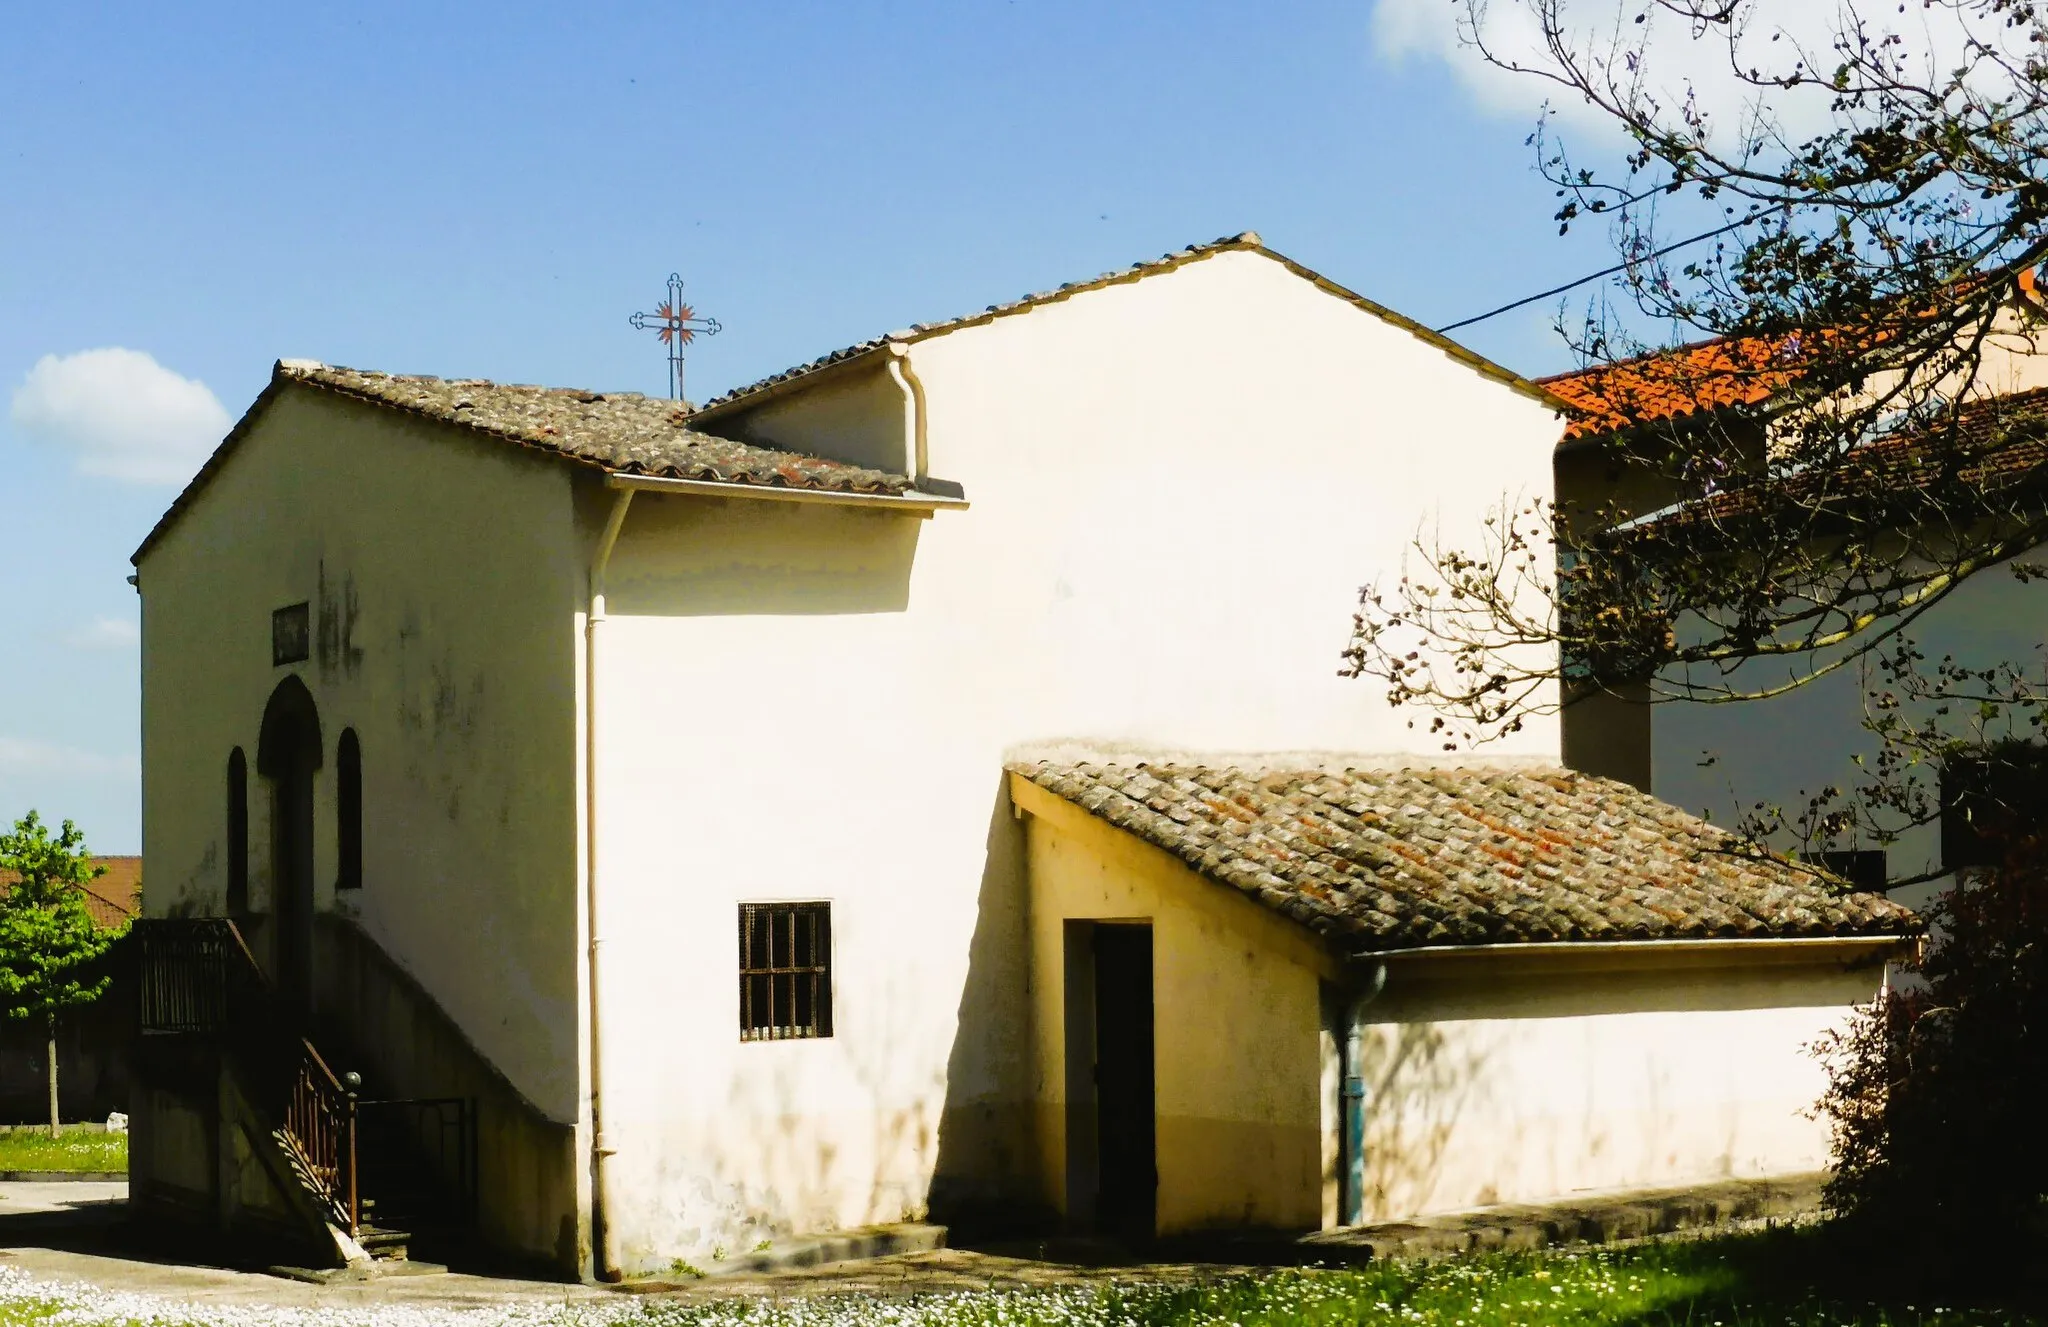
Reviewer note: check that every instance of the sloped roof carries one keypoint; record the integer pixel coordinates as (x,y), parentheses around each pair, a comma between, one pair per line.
(112,899)
(1385,860)
(1995,444)
(1247,242)
(1710,375)
(617,432)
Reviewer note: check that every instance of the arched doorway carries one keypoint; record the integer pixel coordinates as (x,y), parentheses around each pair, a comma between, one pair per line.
(287,755)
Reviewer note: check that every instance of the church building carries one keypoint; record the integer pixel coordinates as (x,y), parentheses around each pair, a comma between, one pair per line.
(916,786)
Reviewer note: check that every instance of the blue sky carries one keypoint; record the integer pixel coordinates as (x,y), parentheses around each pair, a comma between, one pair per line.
(453,190)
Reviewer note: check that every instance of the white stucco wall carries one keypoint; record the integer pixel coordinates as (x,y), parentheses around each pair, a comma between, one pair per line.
(449,568)
(1178,486)
(1518,1079)
(1723,760)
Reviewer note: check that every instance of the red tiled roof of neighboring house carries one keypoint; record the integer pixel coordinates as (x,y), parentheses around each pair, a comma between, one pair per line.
(1992,443)
(1718,373)
(1378,861)
(1711,375)
(114,897)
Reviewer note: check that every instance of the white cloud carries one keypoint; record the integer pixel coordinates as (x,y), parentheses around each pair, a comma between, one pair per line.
(24,755)
(122,414)
(105,633)
(1673,65)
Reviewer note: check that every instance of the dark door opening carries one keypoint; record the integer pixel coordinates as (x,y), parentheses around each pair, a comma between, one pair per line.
(287,755)
(1127,1185)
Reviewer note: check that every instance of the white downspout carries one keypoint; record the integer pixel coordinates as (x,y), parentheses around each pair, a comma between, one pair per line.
(916,463)
(602,1251)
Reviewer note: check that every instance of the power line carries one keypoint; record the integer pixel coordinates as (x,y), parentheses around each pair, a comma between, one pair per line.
(1609,271)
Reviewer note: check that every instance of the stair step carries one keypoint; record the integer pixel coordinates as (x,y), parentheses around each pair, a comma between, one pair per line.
(384,1244)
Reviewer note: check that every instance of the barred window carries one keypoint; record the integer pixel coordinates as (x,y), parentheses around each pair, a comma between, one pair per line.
(785,971)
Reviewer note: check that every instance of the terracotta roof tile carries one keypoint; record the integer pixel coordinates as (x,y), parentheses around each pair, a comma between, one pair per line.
(1711,375)
(618,432)
(622,432)
(1993,444)
(112,899)
(1377,861)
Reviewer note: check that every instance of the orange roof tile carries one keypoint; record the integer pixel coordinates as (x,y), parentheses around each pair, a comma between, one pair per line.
(114,898)
(1711,375)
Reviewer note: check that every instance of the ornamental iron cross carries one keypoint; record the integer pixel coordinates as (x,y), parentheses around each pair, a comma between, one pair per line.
(677,324)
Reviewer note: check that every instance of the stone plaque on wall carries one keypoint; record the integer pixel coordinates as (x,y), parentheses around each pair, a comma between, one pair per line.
(291,635)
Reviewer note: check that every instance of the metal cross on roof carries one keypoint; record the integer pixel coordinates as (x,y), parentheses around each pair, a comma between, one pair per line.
(677,324)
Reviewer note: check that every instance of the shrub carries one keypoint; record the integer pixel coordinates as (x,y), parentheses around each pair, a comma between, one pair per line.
(1937,1090)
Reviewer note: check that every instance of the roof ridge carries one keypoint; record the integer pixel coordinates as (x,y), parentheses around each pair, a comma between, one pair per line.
(1248,241)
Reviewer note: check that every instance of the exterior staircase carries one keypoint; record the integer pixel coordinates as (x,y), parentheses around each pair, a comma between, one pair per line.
(375,1174)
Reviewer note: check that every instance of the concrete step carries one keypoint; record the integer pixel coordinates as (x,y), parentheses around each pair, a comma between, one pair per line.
(1595,1218)
(811,1251)
(383,1243)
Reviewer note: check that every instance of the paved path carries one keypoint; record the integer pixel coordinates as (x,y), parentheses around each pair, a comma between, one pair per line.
(81,1223)
(20,1198)
(72,1232)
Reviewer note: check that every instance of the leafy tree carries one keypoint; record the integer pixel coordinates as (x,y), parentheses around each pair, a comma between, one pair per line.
(49,943)
(1790,499)
(1818,447)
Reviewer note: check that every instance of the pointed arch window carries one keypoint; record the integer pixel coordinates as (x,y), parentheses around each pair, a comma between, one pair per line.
(348,769)
(238,831)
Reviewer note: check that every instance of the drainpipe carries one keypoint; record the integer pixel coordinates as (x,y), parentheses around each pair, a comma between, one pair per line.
(915,461)
(602,1252)
(1352,1191)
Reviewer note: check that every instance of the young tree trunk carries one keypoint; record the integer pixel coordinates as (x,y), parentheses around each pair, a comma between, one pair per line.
(56,1125)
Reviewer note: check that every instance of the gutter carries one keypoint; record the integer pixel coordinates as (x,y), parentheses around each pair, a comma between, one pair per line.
(916,457)
(914,501)
(603,1255)
(1782,946)
(1351,1196)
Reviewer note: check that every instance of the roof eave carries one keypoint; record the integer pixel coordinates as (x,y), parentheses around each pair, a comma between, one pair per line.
(204,476)
(1760,948)
(922,504)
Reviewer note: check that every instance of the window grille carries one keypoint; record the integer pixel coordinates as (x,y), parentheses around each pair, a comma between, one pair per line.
(785,971)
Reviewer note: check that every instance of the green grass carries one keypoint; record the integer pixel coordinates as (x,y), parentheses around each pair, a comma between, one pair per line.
(1774,1279)
(34,1149)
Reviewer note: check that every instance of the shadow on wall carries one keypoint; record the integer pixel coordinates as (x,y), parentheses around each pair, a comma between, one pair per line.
(1419,1089)
(983,1182)
(1508,1087)
(772,1173)
(736,558)
(374,1017)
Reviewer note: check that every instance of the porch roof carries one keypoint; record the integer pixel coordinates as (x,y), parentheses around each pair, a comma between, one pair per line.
(1383,860)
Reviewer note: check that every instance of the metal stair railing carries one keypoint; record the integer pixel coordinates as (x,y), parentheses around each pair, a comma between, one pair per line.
(197,977)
